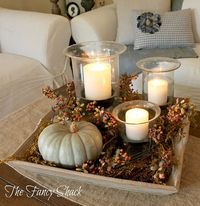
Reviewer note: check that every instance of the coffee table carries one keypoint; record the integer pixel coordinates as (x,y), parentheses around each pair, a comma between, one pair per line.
(18,126)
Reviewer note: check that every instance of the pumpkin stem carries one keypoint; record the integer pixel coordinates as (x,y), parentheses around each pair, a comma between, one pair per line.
(73,127)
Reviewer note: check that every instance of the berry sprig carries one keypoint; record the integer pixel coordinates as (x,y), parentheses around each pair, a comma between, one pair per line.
(181,110)
(127,92)
(115,160)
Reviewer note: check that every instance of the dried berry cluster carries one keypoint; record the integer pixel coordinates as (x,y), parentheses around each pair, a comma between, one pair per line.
(150,165)
(68,107)
(164,133)
(162,166)
(154,165)
(181,110)
(127,92)
(119,163)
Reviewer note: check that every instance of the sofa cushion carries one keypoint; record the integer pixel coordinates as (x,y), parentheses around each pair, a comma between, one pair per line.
(126,30)
(157,30)
(186,79)
(21,80)
(129,58)
(189,72)
(36,35)
(195,6)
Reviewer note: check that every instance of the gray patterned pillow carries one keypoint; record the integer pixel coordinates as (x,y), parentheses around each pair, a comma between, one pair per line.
(171,29)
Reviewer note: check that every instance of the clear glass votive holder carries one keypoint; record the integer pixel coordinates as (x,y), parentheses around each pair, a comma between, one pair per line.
(135,118)
(96,70)
(158,79)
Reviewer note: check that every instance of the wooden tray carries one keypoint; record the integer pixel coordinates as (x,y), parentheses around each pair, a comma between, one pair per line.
(134,186)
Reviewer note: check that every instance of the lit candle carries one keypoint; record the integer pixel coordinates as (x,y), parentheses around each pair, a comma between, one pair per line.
(138,116)
(97,81)
(158,91)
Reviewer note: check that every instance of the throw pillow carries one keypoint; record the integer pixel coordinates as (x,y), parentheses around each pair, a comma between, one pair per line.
(157,30)
(195,6)
(125,17)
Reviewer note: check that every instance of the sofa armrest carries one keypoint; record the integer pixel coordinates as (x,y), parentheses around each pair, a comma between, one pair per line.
(96,25)
(36,35)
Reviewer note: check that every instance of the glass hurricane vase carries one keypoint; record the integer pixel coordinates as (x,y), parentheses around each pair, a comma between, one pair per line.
(158,79)
(135,118)
(95,68)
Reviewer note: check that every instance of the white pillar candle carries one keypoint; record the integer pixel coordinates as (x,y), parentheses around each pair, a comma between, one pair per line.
(138,116)
(97,81)
(158,91)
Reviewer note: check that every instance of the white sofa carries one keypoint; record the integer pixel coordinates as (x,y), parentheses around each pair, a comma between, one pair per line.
(101,24)
(31,56)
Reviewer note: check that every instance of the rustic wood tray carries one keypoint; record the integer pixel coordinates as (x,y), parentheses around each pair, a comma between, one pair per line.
(171,187)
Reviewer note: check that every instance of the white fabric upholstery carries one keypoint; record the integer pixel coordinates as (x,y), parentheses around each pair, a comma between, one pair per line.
(190,92)
(126,30)
(189,72)
(21,81)
(180,90)
(32,46)
(36,35)
(195,6)
(96,25)
(186,79)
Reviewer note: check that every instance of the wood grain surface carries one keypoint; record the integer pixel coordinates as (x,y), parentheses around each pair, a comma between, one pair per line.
(9,176)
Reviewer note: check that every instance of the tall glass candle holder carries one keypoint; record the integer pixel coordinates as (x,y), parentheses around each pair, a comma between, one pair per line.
(96,70)
(135,118)
(158,79)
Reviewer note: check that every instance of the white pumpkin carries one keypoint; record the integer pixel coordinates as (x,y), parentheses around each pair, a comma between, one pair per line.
(71,144)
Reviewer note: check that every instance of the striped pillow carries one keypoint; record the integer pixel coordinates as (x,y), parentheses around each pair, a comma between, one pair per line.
(156,30)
